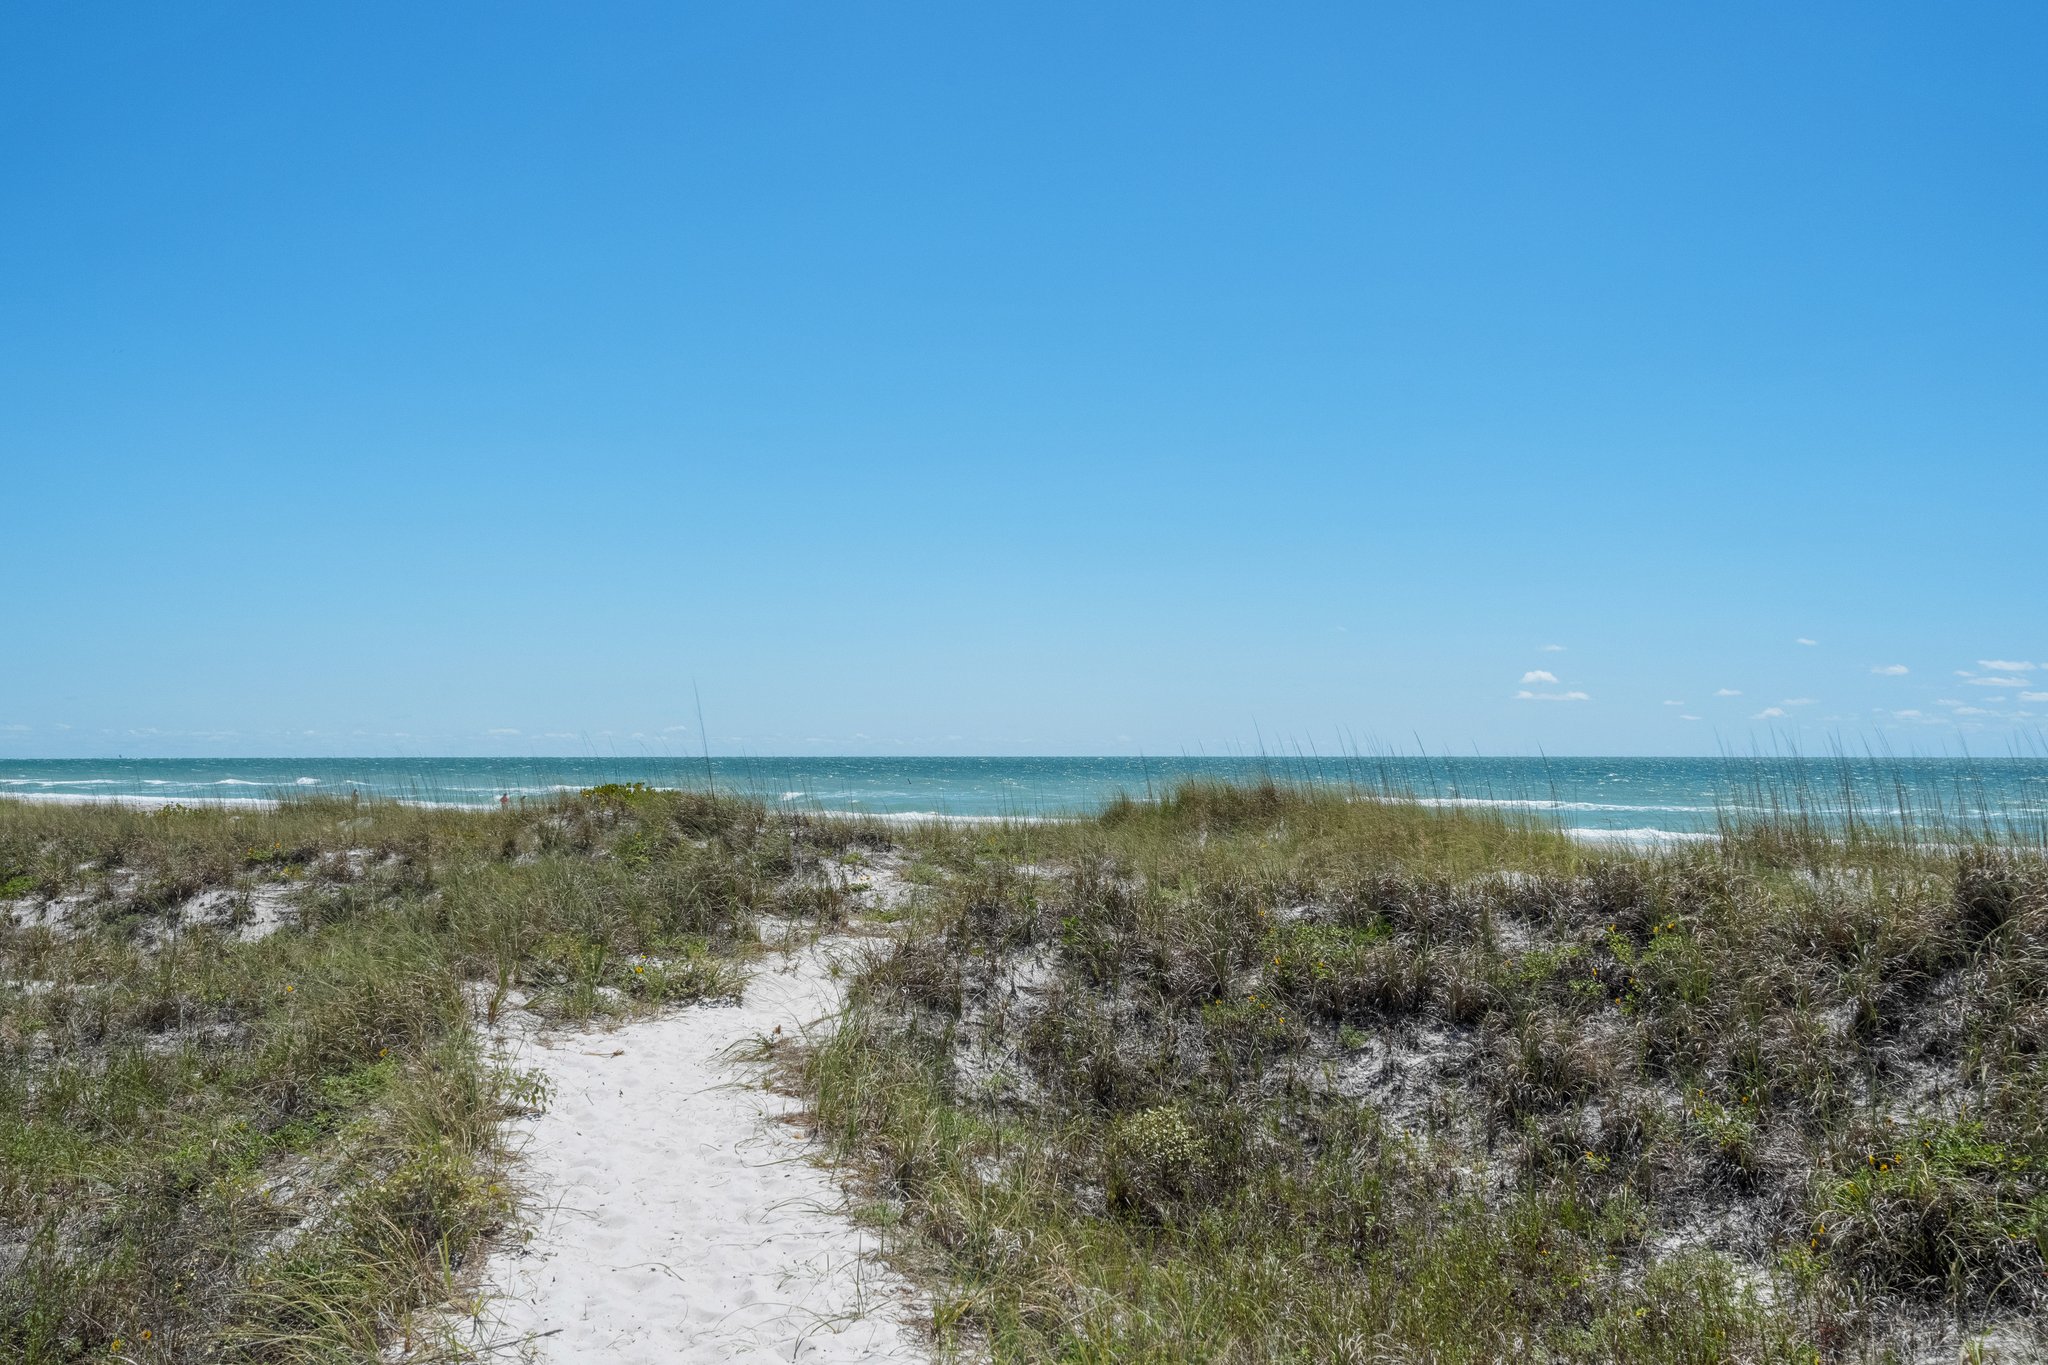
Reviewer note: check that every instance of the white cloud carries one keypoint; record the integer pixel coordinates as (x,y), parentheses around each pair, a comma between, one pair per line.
(1537,675)
(1688,717)
(1802,640)
(1948,701)
(1674,703)
(501,732)
(1906,715)
(1729,692)
(1551,696)
(1998,682)
(2005,666)
(1770,713)
(1890,670)
(2034,696)
(14,728)
(1797,701)
(1964,673)
(1971,711)
(1552,649)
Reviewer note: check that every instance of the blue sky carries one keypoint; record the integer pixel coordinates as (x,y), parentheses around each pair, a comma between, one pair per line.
(1021,378)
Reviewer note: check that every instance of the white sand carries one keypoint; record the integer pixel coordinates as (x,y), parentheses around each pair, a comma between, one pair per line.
(671,1217)
(249,913)
(261,910)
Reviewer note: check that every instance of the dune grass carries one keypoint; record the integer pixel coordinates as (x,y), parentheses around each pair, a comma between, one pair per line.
(221,1145)
(1246,1073)
(1268,1074)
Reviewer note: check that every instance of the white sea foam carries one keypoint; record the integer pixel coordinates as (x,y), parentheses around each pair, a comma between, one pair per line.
(138,802)
(61,781)
(1641,838)
(932,817)
(1532,803)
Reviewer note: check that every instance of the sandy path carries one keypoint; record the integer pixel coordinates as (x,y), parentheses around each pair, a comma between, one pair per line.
(671,1217)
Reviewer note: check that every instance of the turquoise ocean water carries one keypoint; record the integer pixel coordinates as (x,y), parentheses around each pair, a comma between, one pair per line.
(1600,796)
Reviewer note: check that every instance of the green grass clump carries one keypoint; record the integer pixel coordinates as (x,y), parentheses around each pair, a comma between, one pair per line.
(219,1145)
(1248,1073)
(1270,1074)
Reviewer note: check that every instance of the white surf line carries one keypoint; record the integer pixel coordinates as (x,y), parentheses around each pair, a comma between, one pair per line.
(671,1216)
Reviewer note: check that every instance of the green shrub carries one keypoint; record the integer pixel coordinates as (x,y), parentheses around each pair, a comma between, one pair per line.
(1152,1158)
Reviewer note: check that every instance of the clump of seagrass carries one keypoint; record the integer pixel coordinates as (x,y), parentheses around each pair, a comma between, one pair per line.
(1268,1074)
(274,1147)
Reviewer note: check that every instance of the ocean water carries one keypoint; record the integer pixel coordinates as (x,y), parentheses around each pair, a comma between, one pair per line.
(1599,797)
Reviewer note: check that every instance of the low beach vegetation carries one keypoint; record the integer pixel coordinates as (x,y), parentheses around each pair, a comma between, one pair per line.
(246,1108)
(1245,1072)
(1265,1073)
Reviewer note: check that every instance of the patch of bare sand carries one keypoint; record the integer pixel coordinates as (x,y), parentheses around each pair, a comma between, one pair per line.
(671,1215)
